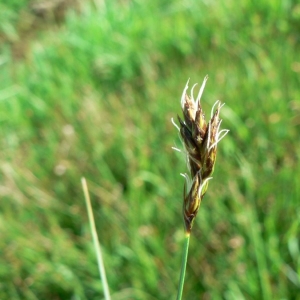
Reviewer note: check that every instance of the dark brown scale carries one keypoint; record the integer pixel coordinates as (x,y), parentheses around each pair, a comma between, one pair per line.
(188,112)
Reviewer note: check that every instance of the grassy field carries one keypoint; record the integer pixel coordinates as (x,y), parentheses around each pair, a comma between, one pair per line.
(91,91)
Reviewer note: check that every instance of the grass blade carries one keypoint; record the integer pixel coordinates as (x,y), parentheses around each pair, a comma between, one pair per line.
(95,239)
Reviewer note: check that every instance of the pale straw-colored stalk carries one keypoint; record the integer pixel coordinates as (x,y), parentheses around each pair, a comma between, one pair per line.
(95,240)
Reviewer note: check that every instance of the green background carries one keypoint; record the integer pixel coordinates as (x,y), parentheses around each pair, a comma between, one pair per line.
(88,88)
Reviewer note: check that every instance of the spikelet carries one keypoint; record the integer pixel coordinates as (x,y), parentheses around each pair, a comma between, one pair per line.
(200,141)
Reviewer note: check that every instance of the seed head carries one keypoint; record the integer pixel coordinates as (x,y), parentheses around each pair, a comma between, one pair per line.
(200,141)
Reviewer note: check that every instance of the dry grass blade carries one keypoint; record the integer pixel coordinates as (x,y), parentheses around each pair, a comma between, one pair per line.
(95,240)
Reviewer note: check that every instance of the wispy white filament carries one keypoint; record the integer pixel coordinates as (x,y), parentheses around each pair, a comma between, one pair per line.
(184,93)
(192,93)
(176,149)
(218,139)
(202,185)
(201,90)
(187,180)
(173,122)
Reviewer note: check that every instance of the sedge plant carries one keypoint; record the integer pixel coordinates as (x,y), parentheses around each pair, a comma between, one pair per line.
(200,140)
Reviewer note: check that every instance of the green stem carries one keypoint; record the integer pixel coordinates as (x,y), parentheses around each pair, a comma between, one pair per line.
(183,265)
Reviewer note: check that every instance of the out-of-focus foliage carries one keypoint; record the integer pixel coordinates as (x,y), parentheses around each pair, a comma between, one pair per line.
(91,92)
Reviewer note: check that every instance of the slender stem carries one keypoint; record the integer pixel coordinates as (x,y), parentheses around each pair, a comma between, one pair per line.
(95,240)
(183,264)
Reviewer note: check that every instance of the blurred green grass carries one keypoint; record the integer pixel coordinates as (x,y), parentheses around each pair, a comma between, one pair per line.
(93,96)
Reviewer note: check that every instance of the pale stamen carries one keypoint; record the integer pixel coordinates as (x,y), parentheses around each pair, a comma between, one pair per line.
(219,125)
(184,93)
(173,122)
(202,185)
(201,90)
(176,149)
(224,131)
(187,180)
(192,94)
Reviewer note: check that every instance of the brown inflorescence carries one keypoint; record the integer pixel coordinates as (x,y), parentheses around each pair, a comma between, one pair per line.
(200,141)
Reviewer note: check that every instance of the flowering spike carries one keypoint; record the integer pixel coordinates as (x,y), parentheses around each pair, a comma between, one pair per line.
(200,141)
